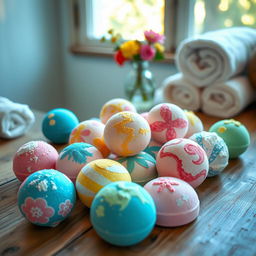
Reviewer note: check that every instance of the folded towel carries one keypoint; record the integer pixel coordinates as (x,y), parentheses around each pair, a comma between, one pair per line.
(179,91)
(227,99)
(216,56)
(15,119)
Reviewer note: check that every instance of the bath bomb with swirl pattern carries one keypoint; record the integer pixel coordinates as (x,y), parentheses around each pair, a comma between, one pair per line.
(34,156)
(235,135)
(114,106)
(91,132)
(194,123)
(123,213)
(58,124)
(127,134)
(97,174)
(46,197)
(176,201)
(183,159)
(75,156)
(167,122)
(215,149)
(142,167)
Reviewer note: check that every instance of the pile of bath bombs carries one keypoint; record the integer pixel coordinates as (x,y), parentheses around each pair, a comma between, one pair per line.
(132,170)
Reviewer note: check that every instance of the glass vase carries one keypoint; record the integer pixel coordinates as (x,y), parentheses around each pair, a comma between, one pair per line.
(140,86)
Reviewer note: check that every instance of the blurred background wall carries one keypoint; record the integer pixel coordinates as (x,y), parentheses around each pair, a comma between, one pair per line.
(36,67)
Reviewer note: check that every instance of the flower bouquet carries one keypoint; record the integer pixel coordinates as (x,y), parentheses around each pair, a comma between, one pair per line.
(140,84)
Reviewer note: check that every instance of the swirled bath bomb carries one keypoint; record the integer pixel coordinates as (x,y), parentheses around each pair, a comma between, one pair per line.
(58,124)
(235,135)
(34,156)
(142,167)
(46,197)
(176,201)
(97,174)
(167,122)
(91,132)
(127,134)
(153,148)
(215,149)
(75,156)
(183,159)
(123,213)
(114,106)
(194,123)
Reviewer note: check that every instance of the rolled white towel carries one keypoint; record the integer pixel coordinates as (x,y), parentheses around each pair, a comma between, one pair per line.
(216,56)
(15,118)
(179,91)
(227,99)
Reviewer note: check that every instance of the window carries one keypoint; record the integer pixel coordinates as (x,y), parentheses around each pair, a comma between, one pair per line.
(177,19)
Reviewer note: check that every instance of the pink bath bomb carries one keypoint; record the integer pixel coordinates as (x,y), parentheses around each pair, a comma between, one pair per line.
(91,132)
(74,157)
(114,106)
(34,156)
(167,122)
(176,201)
(183,159)
(195,124)
(127,133)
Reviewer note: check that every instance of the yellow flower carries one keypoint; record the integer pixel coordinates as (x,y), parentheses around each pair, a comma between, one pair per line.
(159,47)
(129,49)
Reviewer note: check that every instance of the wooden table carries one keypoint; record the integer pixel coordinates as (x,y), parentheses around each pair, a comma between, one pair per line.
(226,224)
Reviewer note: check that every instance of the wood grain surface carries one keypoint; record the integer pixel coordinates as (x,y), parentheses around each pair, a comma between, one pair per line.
(226,224)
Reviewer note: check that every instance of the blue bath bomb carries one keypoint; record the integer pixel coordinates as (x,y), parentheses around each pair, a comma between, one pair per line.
(58,124)
(123,213)
(46,197)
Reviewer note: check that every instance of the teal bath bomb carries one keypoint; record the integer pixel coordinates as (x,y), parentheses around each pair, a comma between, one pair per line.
(123,213)
(235,135)
(58,124)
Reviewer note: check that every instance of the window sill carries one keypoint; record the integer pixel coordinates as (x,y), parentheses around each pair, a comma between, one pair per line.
(102,52)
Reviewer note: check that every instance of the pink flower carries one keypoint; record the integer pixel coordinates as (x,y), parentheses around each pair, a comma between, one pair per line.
(153,37)
(65,208)
(169,125)
(37,211)
(147,52)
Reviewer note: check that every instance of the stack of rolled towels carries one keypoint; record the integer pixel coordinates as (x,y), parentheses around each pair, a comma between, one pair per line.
(213,72)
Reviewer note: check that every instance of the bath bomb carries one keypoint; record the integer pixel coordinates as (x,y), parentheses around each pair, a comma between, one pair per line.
(123,213)
(215,149)
(176,201)
(46,197)
(58,124)
(97,174)
(114,106)
(194,123)
(34,156)
(235,135)
(153,148)
(167,122)
(127,134)
(183,159)
(75,156)
(91,132)
(145,115)
(142,167)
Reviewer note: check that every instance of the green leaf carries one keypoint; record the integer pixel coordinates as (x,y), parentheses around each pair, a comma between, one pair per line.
(149,158)
(159,56)
(141,162)
(130,165)
(121,160)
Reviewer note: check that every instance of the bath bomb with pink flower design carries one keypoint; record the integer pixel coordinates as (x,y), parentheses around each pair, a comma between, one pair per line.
(91,132)
(183,159)
(46,197)
(127,133)
(34,156)
(167,122)
(74,157)
(114,106)
(176,201)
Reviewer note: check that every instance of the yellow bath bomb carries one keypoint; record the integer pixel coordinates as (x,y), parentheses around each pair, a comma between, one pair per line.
(97,174)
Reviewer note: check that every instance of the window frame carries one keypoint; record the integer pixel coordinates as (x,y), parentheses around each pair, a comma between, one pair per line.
(178,17)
